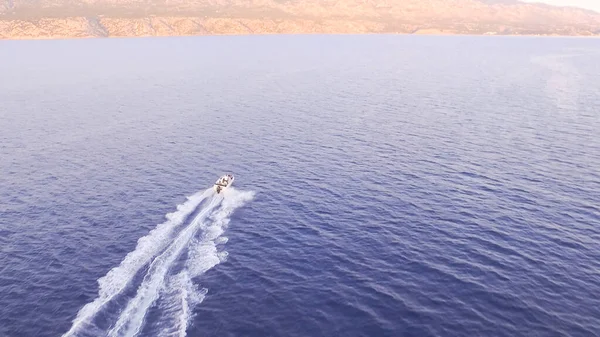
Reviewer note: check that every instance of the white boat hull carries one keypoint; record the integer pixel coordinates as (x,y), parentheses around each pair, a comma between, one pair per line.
(223,183)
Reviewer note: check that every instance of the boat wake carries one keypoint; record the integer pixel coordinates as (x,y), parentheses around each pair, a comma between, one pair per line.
(169,257)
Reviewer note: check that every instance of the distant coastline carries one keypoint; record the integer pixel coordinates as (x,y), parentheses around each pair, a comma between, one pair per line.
(52,19)
(81,27)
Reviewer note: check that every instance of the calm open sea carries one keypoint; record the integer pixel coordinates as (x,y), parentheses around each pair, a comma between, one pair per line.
(385,186)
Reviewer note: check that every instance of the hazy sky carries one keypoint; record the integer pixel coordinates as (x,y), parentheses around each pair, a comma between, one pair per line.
(590,4)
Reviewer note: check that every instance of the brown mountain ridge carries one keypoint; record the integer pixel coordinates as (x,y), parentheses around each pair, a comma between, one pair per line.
(35,19)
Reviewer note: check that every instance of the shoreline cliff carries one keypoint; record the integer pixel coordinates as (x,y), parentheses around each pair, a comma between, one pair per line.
(103,18)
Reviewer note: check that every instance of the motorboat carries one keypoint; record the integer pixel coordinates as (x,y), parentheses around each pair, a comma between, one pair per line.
(223,182)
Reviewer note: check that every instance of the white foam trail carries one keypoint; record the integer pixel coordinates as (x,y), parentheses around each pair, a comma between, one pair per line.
(181,295)
(116,280)
(222,240)
(131,319)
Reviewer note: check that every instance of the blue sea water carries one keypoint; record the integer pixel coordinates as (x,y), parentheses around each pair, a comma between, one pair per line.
(385,186)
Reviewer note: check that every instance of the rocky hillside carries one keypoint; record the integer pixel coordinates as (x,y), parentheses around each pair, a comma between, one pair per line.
(20,19)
